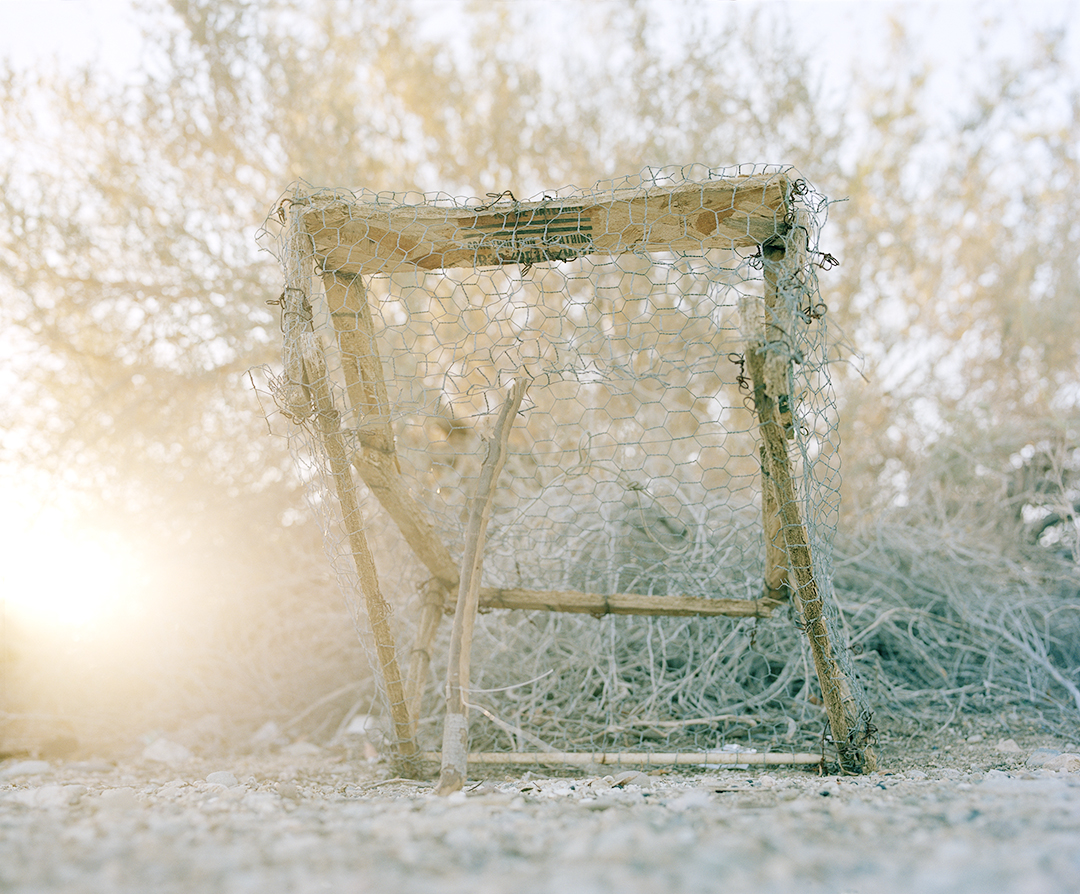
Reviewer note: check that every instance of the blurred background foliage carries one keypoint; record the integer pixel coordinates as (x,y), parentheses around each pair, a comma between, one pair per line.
(133,296)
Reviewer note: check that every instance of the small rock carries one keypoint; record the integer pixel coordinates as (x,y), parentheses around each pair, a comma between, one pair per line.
(301,749)
(1008,745)
(915,774)
(25,768)
(1067,761)
(691,800)
(118,799)
(975,739)
(1041,755)
(222,777)
(171,789)
(94,765)
(74,792)
(50,797)
(163,751)
(631,777)
(59,795)
(288,790)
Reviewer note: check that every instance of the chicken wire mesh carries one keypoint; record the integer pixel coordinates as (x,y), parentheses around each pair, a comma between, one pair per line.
(670,494)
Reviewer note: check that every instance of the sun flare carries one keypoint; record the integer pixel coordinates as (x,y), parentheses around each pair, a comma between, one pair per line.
(61,578)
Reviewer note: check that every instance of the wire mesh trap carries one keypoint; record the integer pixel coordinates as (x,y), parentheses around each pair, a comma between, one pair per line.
(611,402)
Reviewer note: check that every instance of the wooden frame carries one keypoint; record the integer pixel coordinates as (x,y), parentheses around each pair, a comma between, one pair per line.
(743,212)
(346,241)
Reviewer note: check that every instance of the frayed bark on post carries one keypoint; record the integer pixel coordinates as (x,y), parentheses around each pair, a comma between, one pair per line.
(776,559)
(456,730)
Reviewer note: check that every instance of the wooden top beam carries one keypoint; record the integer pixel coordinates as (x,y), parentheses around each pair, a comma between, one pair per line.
(353,237)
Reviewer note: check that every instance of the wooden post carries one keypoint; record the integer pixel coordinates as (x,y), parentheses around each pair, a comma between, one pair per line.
(328,422)
(350,315)
(376,461)
(456,730)
(776,558)
(295,320)
(778,322)
(835,687)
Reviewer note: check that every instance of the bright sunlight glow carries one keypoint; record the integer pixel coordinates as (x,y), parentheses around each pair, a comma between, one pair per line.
(54,575)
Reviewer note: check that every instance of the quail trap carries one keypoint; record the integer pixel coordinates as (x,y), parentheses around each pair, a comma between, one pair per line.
(596,430)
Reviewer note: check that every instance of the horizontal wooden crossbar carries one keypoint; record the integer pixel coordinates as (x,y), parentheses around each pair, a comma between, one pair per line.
(636,759)
(736,212)
(577,603)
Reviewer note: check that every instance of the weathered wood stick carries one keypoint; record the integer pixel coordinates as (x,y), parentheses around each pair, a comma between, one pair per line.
(328,422)
(456,729)
(776,559)
(377,460)
(576,602)
(357,238)
(778,334)
(693,721)
(637,759)
(380,473)
(835,686)
(295,321)
(350,314)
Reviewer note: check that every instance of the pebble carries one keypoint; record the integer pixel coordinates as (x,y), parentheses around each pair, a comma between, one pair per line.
(163,751)
(288,790)
(632,777)
(692,800)
(1040,756)
(25,768)
(222,777)
(1009,746)
(94,765)
(118,799)
(1068,762)
(50,797)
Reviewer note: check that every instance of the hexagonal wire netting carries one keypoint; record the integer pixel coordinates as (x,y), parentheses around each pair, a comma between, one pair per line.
(643,313)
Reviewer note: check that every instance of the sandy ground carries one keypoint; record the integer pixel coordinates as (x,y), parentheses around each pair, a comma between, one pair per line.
(963,817)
